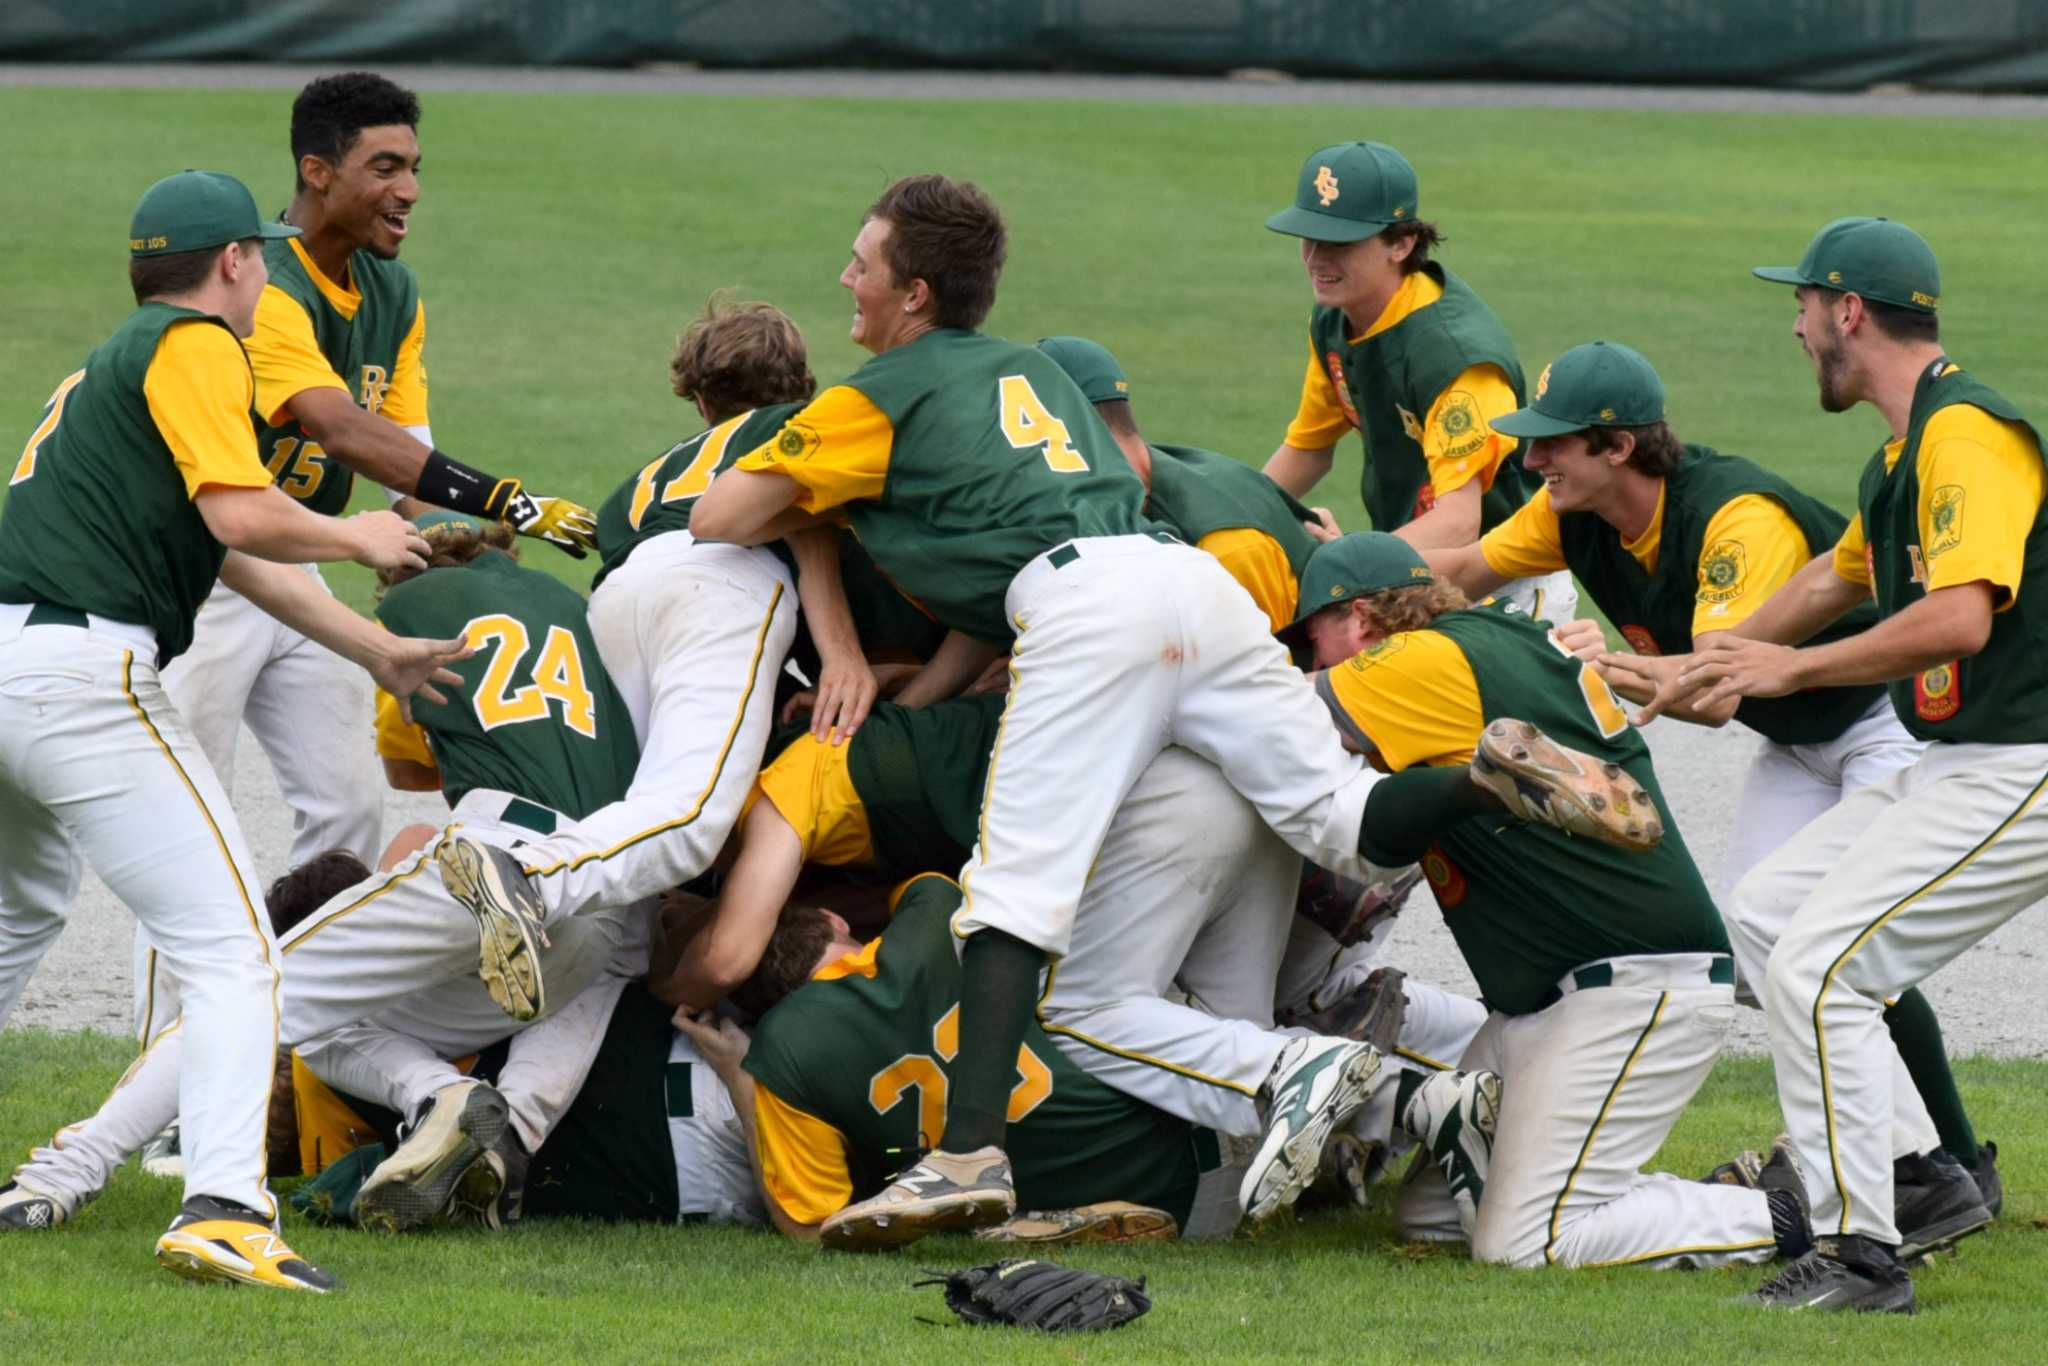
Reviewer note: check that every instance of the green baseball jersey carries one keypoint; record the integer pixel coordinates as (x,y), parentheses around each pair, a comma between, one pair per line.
(1198,493)
(1658,608)
(1995,696)
(921,773)
(1527,903)
(536,715)
(995,458)
(98,518)
(1389,382)
(659,498)
(362,348)
(871,1056)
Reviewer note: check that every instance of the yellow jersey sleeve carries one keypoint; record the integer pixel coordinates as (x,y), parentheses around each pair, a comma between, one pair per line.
(1320,419)
(398,738)
(803,1159)
(405,397)
(836,449)
(329,1127)
(284,355)
(198,390)
(1852,557)
(1411,699)
(812,786)
(1752,547)
(1981,483)
(1458,439)
(1528,543)
(1256,560)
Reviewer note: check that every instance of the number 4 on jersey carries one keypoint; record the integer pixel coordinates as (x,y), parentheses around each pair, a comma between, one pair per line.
(1027,423)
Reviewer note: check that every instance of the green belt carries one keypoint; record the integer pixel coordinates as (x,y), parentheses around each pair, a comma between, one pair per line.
(1720,971)
(533,816)
(1060,556)
(50,614)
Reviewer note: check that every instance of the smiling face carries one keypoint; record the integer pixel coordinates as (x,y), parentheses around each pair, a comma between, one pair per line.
(1577,479)
(882,309)
(370,196)
(1358,277)
(1821,337)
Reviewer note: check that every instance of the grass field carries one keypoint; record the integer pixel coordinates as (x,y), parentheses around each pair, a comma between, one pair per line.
(563,242)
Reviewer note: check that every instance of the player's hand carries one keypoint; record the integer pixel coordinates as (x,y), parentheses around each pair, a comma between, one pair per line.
(723,1043)
(1324,527)
(561,523)
(1728,667)
(385,540)
(995,678)
(846,690)
(1662,674)
(408,667)
(1583,638)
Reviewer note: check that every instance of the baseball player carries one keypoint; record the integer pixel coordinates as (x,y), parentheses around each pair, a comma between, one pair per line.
(137,488)
(695,632)
(1608,972)
(1678,542)
(1402,351)
(1904,875)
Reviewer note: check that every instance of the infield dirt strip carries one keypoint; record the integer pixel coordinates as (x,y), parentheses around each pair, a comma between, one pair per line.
(85,983)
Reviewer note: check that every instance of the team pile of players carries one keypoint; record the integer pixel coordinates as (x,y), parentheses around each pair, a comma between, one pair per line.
(954,809)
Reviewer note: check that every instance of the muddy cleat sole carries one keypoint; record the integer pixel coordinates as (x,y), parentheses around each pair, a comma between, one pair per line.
(492,886)
(212,1240)
(1112,1221)
(944,1193)
(417,1182)
(1315,1085)
(24,1210)
(1540,780)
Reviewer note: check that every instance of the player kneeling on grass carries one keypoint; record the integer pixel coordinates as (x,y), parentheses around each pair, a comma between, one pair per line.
(1608,970)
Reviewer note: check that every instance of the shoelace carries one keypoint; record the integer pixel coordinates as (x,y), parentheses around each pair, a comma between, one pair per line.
(1807,1271)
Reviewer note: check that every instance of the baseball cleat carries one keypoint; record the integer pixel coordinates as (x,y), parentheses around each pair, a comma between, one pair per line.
(944,1193)
(1935,1204)
(416,1183)
(492,885)
(215,1240)
(24,1209)
(492,1192)
(1847,1272)
(164,1156)
(1111,1221)
(1990,1184)
(1537,779)
(1315,1085)
(1454,1116)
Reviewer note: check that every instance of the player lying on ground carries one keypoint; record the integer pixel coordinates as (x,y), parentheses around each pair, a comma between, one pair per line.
(1904,875)
(1406,354)
(1607,971)
(1678,544)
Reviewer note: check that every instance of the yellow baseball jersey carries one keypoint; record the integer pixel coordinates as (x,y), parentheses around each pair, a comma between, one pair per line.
(804,1163)
(1413,698)
(851,442)
(1456,452)
(198,393)
(398,738)
(1260,565)
(1988,480)
(287,360)
(1753,532)
(811,785)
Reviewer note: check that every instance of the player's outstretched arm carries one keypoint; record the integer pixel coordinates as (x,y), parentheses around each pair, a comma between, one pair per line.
(1298,470)
(1453,521)
(1813,598)
(1465,567)
(847,687)
(402,665)
(957,662)
(727,949)
(267,524)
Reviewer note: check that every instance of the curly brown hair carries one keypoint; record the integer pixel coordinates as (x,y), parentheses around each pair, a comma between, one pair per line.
(950,235)
(1414,607)
(740,356)
(453,544)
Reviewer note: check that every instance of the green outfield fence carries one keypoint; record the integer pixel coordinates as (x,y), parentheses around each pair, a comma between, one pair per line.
(1814,44)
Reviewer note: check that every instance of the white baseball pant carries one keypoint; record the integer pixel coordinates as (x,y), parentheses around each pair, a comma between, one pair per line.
(1896,881)
(95,762)
(1552,597)
(1590,1089)
(693,634)
(1126,645)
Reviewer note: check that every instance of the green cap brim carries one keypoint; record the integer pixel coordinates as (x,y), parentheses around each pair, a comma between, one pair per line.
(1780,275)
(1296,221)
(1529,422)
(274,230)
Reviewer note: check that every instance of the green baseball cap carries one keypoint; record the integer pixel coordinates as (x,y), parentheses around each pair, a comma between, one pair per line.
(1600,384)
(194,210)
(1354,566)
(1349,192)
(1873,257)
(433,518)
(1090,365)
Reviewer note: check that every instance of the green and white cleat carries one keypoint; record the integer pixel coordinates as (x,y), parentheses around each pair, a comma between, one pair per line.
(1315,1085)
